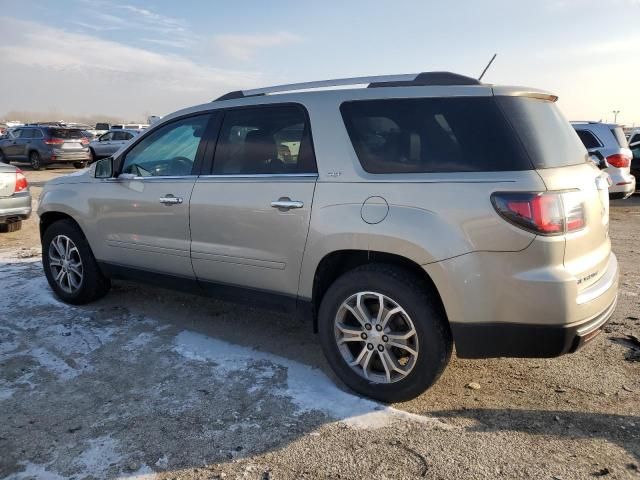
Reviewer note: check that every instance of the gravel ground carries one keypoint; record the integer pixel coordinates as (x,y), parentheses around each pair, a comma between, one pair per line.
(148,383)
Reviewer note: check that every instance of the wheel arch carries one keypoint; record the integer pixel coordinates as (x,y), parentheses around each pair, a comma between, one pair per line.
(338,262)
(49,218)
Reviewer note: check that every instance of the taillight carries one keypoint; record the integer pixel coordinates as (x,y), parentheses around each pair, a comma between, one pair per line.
(54,141)
(545,213)
(84,141)
(21,182)
(618,160)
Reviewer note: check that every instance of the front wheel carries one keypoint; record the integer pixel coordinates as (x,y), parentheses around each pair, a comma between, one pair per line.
(384,332)
(35,161)
(69,264)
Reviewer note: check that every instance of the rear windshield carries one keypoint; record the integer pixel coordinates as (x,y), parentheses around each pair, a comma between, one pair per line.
(65,133)
(102,126)
(618,133)
(547,136)
(462,134)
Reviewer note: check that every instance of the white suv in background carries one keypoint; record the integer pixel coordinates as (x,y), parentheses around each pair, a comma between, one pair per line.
(607,142)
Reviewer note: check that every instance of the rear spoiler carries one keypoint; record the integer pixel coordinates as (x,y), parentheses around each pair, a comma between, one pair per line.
(524,92)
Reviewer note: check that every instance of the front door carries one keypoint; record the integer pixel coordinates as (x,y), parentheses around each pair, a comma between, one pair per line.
(250,218)
(143,214)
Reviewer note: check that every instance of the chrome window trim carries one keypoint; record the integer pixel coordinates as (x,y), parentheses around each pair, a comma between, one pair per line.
(263,175)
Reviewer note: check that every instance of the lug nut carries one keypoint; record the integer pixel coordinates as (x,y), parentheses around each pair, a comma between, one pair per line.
(385,338)
(379,328)
(370,346)
(368,326)
(363,336)
(380,348)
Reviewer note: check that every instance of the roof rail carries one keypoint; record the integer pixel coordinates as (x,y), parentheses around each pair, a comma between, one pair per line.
(402,80)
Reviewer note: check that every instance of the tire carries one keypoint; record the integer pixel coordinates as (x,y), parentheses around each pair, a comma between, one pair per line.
(3,157)
(79,165)
(35,161)
(93,156)
(422,308)
(9,227)
(92,284)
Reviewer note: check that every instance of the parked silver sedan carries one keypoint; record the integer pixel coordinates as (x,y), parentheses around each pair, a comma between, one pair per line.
(15,198)
(109,143)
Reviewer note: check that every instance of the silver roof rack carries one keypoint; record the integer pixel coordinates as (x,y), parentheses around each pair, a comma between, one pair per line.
(401,80)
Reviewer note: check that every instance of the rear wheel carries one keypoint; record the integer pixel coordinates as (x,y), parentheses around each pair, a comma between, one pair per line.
(69,264)
(384,333)
(35,161)
(79,164)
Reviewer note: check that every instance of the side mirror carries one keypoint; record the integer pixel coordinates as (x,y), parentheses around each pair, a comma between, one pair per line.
(104,168)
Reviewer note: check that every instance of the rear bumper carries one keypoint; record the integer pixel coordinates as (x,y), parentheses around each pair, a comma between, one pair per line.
(61,156)
(526,341)
(498,306)
(15,206)
(622,187)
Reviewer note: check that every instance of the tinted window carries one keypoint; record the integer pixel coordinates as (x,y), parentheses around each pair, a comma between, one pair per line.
(121,136)
(65,133)
(588,139)
(432,135)
(548,137)
(264,140)
(27,133)
(635,140)
(618,133)
(37,133)
(170,150)
(102,126)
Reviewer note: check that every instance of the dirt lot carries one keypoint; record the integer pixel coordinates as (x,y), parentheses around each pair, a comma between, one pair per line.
(153,384)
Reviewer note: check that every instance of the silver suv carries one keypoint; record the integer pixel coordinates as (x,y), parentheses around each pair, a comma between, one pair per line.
(421,212)
(606,142)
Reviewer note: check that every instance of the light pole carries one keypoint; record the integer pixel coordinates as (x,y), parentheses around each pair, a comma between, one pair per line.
(615,116)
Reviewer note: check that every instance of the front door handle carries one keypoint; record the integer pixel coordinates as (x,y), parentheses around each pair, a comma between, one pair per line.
(170,200)
(285,203)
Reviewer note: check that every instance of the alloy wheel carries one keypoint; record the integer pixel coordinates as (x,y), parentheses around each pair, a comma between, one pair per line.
(376,337)
(65,263)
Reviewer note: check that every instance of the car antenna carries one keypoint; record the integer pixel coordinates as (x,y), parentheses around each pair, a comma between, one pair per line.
(487,67)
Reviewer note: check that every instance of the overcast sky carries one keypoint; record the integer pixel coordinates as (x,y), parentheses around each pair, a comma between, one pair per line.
(130,58)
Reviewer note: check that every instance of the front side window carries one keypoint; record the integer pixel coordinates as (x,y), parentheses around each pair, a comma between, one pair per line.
(588,139)
(121,136)
(168,151)
(17,133)
(106,137)
(432,135)
(264,140)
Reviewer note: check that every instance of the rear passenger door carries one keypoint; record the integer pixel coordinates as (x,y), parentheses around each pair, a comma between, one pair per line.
(250,216)
(14,149)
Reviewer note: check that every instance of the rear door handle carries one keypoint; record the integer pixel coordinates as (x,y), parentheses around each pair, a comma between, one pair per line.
(170,200)
(285,203)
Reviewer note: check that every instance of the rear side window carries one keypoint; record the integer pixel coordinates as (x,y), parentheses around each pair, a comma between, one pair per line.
(65,133)
(548,137)
(27,133)
(618,133)
(264,140)
(588,139)
(460,134)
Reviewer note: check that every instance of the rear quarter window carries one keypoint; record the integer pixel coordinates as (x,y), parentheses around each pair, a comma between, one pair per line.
(548,137)
(462,134)
(618,134)
(588,139)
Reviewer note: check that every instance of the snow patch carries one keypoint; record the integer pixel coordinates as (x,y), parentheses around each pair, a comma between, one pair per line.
(308,388)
